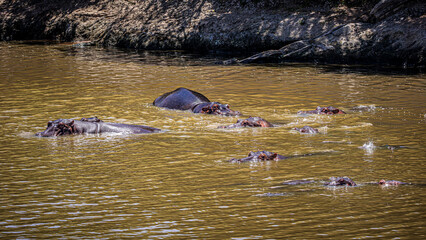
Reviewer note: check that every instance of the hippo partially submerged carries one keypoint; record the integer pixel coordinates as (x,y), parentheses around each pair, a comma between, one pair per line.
(323,110)
(260,156)
(345,181)
(91,125)
(270,156)
(340,181)
(391,183)
(249,122)
(185,99)
(307,129)
(333,181)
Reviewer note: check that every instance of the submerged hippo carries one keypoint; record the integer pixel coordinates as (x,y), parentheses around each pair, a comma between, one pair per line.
(345,181)
(340,181)
(334,181)
(307,129)
(91,125)
(260,156)
(392,147)
(323,110)
(270,156)
(185,99)
(249,122)
(391,183)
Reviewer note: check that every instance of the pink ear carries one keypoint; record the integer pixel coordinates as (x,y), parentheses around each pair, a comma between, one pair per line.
(71,123)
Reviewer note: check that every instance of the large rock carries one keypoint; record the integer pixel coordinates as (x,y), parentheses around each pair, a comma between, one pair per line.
(315,33)
(355,43)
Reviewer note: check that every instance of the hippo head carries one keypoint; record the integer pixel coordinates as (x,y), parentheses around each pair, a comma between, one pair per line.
(340,181)
(329,110)
(249,122)
(390,182)
(323,110)
(263,156)
(258,157)
(58,127)
(306,129)
(215,108)
(382,182)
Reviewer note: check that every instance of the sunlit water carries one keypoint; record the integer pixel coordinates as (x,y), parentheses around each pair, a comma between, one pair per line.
(178,183)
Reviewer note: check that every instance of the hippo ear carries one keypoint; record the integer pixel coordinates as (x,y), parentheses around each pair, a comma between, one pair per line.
(71,123)
(49,123)
(274,156)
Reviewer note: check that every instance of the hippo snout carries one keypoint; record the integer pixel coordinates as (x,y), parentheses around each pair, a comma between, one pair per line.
(232,113)
(43,134)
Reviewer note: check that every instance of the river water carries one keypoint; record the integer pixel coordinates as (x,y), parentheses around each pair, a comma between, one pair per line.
(178,184)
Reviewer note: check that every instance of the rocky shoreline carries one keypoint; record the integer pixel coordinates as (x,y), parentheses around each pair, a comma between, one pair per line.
(380,32)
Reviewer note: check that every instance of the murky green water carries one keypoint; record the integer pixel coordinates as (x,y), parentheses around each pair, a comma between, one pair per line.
(178,184)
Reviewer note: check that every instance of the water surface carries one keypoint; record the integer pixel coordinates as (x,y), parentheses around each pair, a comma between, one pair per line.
(178,183)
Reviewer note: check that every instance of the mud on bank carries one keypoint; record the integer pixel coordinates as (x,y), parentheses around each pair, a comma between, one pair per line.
(323,31)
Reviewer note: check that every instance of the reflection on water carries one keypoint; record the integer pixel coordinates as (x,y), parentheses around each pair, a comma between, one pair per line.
(178,183)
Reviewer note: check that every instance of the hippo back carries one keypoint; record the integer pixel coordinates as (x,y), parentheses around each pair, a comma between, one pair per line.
(181,99)
(127,128)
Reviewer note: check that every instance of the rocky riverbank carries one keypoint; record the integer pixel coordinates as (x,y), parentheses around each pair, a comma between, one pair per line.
(385,32)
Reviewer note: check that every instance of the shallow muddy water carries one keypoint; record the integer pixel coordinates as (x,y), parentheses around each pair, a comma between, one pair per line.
(178,184)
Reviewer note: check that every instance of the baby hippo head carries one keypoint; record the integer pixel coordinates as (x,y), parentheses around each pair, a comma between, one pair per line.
(329,110)
(216,109)
(249,122)
(306,129)
(340,181)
